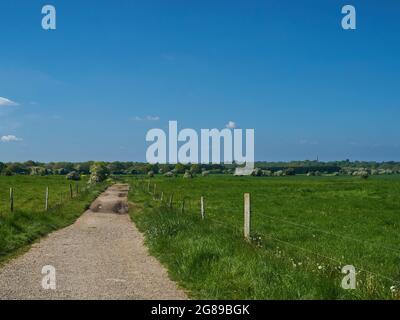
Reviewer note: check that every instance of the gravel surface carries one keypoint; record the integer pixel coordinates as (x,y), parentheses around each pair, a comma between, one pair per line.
(100,256)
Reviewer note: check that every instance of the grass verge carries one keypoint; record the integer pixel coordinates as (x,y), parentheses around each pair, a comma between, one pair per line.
(21,228)
(212,261)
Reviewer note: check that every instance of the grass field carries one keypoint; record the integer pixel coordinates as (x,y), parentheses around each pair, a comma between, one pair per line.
(304,230)
(29,221)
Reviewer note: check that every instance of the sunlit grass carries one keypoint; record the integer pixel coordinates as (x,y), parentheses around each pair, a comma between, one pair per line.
(29,221)
(304,228)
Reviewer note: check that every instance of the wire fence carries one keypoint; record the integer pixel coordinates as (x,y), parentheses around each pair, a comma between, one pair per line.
(198,207)
(50,199)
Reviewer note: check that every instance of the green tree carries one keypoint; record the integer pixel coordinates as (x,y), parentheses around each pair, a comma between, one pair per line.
(98,172)
(180,168)
(195,168)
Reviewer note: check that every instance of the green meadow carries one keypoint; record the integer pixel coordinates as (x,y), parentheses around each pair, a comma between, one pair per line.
(303,231)
(29,220)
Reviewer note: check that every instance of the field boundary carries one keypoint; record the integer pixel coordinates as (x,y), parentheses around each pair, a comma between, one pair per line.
(198,207)
(23,228)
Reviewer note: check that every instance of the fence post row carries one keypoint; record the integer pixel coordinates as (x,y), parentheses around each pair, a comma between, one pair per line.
(247,216)
(247,208)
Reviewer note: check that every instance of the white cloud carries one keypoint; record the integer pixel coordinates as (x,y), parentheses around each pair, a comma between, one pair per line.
(7,102)
(231,125)
(147,118)
(152,118)
(10,138)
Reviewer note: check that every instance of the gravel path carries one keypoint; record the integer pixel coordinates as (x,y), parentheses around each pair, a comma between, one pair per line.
(100,256)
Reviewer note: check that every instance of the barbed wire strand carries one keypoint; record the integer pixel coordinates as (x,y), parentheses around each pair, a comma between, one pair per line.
(330,233)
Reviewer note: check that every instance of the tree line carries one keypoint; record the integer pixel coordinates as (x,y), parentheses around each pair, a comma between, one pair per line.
(119,168)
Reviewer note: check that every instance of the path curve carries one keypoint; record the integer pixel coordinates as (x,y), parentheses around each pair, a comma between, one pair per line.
(100,256)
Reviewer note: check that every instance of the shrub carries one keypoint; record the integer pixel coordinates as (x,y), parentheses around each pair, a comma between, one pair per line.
(195,168)
(180,168)
(364,174)
(7,172)
(257,172)
(188,175)
(38,171)
(131,170)
(267,173)
(278,173)
(61,171)
(98,173)
(290,172)
(74,175)
(169,174)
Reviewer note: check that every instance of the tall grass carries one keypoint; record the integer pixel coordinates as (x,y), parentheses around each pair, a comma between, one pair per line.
(29,221)
(304,229)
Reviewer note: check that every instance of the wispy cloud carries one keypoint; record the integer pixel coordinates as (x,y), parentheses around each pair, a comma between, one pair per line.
(10,138)
(170,57)
(312,142)
(231,125)
(146,118)
(4,102)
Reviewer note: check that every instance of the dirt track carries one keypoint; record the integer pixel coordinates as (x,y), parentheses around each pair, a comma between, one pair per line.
(100,256)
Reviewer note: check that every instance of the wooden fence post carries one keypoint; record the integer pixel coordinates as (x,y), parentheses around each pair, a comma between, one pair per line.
(77,189)
(148,186)
(70,191)
(202,207)
(46,202)
(247,216)
(154,191)
(170,200)
(11,199)
(162,196)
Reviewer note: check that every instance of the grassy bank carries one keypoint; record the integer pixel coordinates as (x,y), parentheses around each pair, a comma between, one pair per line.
(304,229)
(29,221)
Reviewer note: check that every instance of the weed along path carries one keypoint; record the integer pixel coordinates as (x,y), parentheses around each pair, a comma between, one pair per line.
(100,256)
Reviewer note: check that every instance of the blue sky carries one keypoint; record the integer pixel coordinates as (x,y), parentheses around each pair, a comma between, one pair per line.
(114,69)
